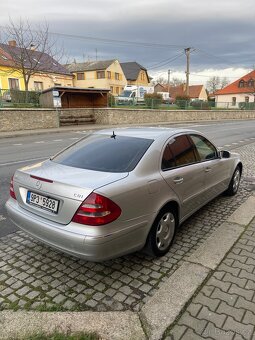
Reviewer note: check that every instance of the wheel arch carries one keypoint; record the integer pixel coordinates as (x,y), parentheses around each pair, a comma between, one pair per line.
(170,204)
(240,165)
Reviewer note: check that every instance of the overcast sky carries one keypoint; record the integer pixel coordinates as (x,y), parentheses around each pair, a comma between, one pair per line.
(220,32)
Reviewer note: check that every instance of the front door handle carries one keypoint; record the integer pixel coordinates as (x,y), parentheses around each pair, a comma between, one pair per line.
(178,180)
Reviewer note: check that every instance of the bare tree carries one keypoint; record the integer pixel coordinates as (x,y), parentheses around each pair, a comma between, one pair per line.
(31,50)
(160,80)
(164,81)
(215,83)
(176,82)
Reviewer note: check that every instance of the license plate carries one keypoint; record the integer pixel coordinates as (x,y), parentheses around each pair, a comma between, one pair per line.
(43,202)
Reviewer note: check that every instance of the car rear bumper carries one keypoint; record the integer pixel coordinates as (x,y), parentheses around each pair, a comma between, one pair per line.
(90,248)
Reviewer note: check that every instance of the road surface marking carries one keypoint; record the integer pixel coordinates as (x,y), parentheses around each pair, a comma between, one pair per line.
(74,138)
(2,218)
(40,142)
(24,161)
(227,145)
(235,143)
(57,140)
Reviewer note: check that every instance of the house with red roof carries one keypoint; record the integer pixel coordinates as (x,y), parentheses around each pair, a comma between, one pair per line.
(196,92)
(240,91)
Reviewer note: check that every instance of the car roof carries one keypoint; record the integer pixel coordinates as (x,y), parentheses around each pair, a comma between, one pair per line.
(145,132)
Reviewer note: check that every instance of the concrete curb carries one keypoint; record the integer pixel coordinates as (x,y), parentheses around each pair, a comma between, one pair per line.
(161,310)
(164,307)
(108,325)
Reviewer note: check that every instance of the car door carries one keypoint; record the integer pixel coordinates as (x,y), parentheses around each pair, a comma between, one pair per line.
(183,173)
(215,168)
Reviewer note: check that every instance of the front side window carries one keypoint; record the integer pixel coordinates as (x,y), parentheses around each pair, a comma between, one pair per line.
(117,76)
(205,149)
(246,99)
(233,101)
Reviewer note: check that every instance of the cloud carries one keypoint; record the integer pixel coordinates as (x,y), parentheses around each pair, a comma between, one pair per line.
(220,32)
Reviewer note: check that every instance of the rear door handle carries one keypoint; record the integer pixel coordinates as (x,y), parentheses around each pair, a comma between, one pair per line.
(178,180)
(207,169)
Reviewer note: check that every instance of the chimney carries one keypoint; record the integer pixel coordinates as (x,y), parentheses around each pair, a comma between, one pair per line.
(12,43)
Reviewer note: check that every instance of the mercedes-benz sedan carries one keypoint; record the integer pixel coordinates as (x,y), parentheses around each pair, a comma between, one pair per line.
(113,193)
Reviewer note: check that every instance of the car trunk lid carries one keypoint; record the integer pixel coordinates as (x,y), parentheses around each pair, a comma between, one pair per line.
(67,186)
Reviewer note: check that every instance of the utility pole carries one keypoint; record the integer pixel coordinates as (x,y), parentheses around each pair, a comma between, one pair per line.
(187,52)
(168,80)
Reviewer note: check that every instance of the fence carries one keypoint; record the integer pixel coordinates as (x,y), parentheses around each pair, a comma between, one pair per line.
(150,103)
(17,98)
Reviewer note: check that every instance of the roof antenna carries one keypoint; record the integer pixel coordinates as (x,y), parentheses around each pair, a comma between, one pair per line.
(113,135)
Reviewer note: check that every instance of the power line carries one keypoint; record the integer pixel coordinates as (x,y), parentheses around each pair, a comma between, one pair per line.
(168,62)
(107,40)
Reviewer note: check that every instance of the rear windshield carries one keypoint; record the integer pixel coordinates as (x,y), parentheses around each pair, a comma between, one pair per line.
(105,153)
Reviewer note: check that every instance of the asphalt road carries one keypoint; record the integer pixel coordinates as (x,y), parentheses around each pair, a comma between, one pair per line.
(20,151)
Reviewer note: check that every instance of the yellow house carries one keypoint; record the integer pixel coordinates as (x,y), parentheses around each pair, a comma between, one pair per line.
(105,74)
(135,74)
(47,71)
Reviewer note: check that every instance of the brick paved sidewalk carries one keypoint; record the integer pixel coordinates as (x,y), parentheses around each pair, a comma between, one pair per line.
(225,306)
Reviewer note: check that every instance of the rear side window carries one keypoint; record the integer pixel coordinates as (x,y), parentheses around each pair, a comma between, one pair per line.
(103,153)
(178,152)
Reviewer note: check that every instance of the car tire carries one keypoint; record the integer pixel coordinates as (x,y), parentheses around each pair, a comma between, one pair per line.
(162,233)
(234,183)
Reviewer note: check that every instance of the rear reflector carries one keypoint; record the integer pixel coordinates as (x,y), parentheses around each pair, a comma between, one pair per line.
(12,193)
(97,210)
(41,179)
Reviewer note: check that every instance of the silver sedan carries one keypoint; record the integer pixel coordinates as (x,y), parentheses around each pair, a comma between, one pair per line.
(116,192)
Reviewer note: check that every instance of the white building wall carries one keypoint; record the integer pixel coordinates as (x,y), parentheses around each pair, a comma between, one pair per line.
(226,100)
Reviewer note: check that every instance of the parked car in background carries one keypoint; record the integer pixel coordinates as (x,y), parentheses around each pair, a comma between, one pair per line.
(113,193)
(133,94)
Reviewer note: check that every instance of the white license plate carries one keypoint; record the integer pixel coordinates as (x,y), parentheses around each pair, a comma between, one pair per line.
(42,202)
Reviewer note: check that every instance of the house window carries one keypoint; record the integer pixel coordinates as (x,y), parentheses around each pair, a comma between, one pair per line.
(142,76)
(251,83)
(117,90)
(80,76)
(100,74)
(117,76)
(109,74)
(111,89)
(57,84)
(38,85)
(241,83)
(246,99)
(233,101)
(13,84)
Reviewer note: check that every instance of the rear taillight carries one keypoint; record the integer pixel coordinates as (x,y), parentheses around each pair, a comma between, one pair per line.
(12,193)
(97,210)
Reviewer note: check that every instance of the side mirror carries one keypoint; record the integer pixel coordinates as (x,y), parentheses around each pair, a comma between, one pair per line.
(224,154)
